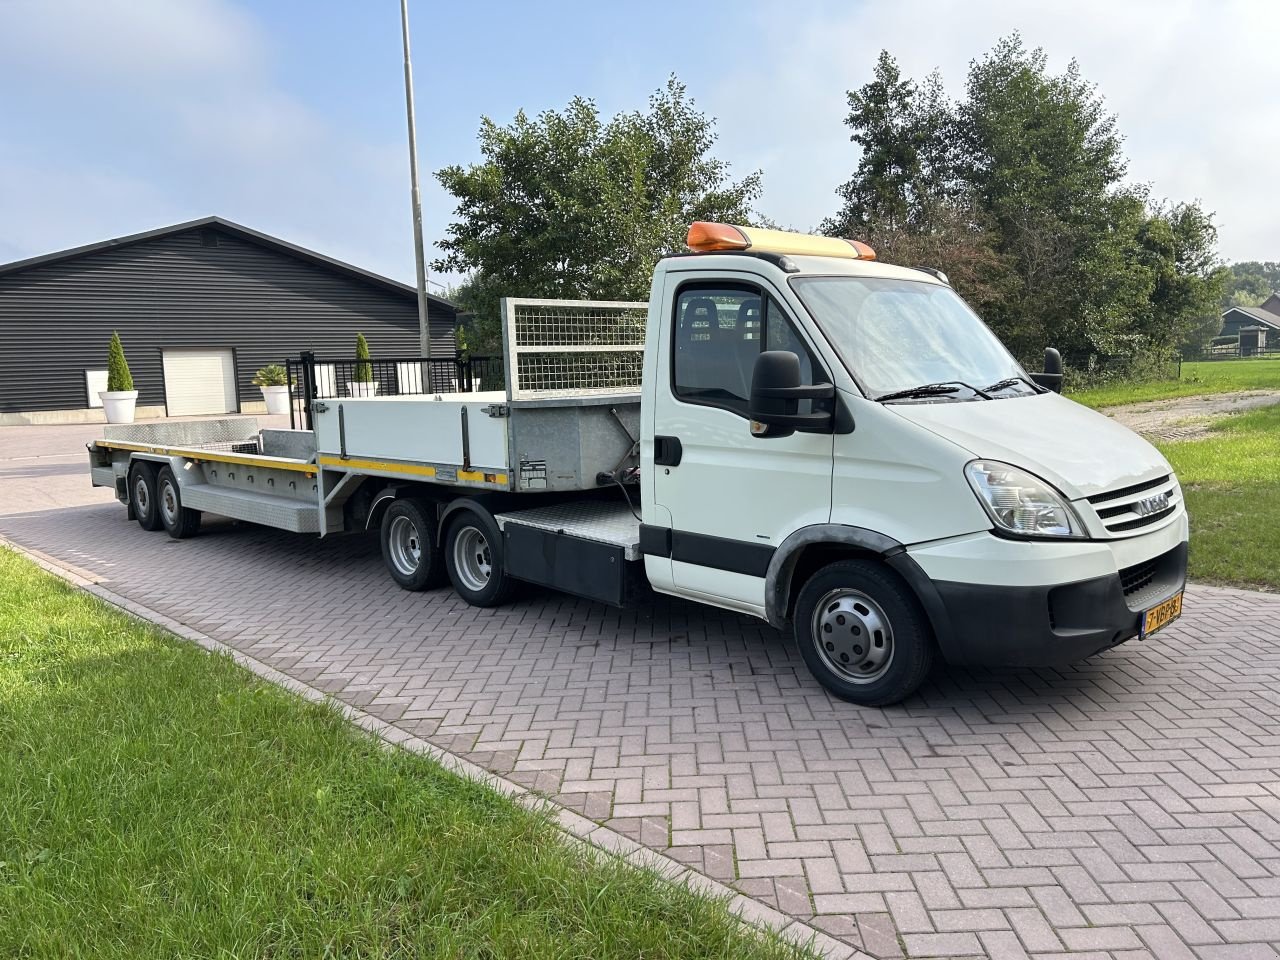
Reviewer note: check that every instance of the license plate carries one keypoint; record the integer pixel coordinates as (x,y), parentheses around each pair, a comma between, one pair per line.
(1162,615)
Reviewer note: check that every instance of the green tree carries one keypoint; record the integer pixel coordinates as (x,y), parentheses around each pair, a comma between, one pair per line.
(118,375)
(363,372)
(1249,283)
(905,173)
(1018,192)
(1044,159)
(1178,246)
(567,205)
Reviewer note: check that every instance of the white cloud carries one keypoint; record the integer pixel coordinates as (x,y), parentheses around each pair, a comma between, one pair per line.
(1193,83)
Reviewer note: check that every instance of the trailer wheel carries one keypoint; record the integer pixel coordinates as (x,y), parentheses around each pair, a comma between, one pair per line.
(142,495)
(181,522)
(863,634)
(473,555)
(409,547)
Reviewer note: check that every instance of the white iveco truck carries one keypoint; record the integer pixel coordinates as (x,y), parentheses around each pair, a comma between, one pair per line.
(788,429)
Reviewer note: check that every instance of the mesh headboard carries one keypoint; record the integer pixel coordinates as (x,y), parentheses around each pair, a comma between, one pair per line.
(572,348)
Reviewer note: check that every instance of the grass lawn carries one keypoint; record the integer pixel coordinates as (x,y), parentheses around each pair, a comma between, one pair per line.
(1206,376)
(1232,484)
(159,801)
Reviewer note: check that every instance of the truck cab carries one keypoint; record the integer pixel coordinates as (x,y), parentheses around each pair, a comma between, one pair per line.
(903,489)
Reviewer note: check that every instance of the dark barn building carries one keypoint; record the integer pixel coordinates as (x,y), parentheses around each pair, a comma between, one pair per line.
(1265,316)
(199,307)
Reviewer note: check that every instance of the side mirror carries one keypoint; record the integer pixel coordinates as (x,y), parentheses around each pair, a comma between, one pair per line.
(776,392)
(1052,376)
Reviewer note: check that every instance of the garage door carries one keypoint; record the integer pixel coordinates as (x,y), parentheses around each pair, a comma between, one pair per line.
(199,381)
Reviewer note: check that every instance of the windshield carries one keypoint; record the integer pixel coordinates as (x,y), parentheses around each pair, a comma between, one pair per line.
(896,335)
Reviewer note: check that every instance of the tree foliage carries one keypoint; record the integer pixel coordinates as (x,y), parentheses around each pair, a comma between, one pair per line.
(1249,283)
(1018,192)
(118,375)
(569,205)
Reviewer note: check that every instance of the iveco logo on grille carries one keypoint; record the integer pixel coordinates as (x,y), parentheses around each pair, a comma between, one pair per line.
(1145,508)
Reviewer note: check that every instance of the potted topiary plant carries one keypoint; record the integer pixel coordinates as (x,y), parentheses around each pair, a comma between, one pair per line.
(273,379)
(119,399)
(362,383)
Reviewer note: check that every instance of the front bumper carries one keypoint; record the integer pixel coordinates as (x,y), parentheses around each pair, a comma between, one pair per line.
(1036,619)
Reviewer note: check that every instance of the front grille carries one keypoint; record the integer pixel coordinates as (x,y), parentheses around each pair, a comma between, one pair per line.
(1137,505)
(1133,579)
(1127,491)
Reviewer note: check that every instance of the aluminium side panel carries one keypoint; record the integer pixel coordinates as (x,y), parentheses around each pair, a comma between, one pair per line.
(414,430)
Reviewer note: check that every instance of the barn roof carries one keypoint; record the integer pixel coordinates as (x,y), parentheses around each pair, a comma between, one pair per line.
(1264,317)
(235,230)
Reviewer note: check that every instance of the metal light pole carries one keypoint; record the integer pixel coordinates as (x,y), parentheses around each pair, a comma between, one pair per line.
(424,323)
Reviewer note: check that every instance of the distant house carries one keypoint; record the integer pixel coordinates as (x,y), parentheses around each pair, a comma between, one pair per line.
(1267,316)
(200,306)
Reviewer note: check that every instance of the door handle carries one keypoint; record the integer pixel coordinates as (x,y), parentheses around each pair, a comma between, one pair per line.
(667,451)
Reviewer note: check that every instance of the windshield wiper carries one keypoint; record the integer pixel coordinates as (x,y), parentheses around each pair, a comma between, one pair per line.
(931,390)
(1008,382)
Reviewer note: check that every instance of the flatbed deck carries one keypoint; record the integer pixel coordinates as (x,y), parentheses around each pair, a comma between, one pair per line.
(612,524)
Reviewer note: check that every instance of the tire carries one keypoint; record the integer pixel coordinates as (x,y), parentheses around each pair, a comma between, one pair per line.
(142,495)
(473,555)
(180,522)
(409,547)
(863,634)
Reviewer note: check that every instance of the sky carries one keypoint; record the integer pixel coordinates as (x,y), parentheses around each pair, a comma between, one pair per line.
(118,116)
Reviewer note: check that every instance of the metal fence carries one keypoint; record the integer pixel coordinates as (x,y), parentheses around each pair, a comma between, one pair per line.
(312,378)
(1233,351)
(572,347)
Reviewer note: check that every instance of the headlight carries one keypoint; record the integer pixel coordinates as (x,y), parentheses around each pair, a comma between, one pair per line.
(1020,503)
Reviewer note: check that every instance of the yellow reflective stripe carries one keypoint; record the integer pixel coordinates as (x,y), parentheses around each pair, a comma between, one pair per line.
(210,456)
(413,469)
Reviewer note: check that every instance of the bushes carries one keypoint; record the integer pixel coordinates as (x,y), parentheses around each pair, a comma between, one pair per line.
(272,375)
(363,372)
(1104,371)
(118,376)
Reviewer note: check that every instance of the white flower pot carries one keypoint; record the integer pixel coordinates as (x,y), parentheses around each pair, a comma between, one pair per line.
(357,389)
(277,399)
(118,405)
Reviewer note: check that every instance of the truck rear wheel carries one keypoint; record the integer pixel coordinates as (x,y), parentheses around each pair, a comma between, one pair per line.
(409,547)
(181,522)
(863,634)
(473,555)
(142,495)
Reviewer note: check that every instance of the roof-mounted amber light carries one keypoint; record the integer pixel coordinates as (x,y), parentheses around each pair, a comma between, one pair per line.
(705,237)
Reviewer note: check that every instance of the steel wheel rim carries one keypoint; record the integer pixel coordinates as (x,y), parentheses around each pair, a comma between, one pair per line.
(472,559)
(405,545)
(168,502)
(141,494)
(853,635)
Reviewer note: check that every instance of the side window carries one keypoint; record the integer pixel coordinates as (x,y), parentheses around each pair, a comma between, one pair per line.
(717,337)
(719,332)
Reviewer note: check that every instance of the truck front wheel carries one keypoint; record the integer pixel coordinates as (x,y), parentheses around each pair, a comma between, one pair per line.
(409,546)
(862,633)
(473,554)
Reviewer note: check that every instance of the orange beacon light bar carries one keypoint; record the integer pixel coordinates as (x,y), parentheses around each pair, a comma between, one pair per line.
(705,237)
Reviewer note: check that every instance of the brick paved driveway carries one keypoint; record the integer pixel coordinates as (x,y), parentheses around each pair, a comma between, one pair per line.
(1128,807)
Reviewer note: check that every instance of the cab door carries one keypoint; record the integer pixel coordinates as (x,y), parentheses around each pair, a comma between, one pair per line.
(730,497)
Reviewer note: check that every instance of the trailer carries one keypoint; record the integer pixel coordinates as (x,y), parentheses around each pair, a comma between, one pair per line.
(539,475)
(787,429)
